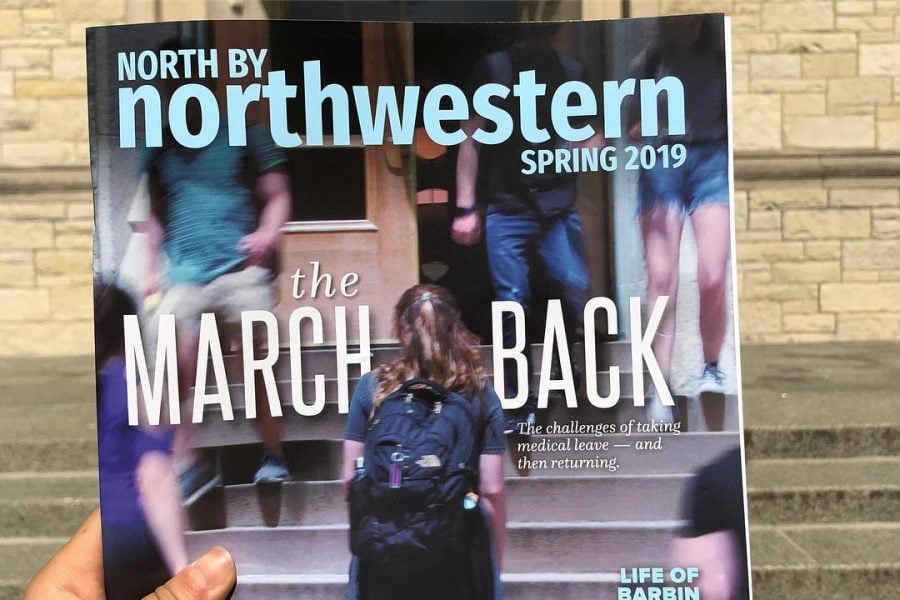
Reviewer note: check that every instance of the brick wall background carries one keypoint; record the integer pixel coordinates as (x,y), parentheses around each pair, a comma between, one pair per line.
(817,141)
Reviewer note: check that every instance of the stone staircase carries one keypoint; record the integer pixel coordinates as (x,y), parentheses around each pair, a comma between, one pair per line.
(823,472)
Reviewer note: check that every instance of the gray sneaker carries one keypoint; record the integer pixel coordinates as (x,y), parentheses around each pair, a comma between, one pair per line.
(197,480)
(271,470)
(712,381)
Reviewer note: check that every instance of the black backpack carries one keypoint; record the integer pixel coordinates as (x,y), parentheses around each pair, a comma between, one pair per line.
(407,514)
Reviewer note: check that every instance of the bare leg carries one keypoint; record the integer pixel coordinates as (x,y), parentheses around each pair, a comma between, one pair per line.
(712,230)
(271,429)
(183,455)
(661,229)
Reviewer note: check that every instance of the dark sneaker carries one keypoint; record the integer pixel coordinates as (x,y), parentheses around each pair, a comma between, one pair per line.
(197,480)
(271,470)
(712,381)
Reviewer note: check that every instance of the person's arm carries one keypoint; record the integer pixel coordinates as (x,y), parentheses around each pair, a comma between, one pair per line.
(716,556)
(352,451)
(492,486)
(274,188)
(467,227)
(161,502)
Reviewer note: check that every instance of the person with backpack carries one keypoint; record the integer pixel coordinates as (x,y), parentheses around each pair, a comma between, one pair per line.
(423,464)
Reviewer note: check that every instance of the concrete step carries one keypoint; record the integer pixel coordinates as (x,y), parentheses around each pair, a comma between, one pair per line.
(21,557)
(532,547)
(46,455)
(529,500)
(33,517)
(44,485)
(864,489)
(833,441)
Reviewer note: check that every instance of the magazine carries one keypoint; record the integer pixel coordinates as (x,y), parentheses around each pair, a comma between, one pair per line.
(396,310)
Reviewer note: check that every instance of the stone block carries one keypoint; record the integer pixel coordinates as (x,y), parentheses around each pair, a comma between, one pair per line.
(10,23)
(837,223)
(832,64)
(74,302)
(39,154)
(859,297)
(864,197)
(75,240)
(51,88)
(808,271)
(860,90)
(793,307)
(69,63)
(854,7)
(747,43)
(763,85)
(80,210)
(774,66)
(822,250)
(759,317)
(24,304)
(7,83)
(26,234)
(810,323)
(886,228)
(803,104)
(864,23)
(889,113)
(778,292)
(869,326)
(799,197)
(740,210)
(50,338)
(851,276)
(18,115)
(817,42)
(62,262)
(832,133)
(797,16)
(757,123)
(31,210)
(64,119)
(740,79)
(879,59)
(25,58)
(871,254)
(888,135)
(768,251)
(109,11)
(16,268)
(765,219)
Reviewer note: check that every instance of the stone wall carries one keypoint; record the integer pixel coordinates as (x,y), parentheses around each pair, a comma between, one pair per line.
(817,139)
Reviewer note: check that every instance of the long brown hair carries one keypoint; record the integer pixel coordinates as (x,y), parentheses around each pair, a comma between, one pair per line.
(434,343)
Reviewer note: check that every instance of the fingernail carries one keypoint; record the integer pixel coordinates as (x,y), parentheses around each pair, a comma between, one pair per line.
(215,566)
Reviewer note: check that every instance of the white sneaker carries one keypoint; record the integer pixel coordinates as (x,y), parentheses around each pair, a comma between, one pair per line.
(656,410)
(712,381)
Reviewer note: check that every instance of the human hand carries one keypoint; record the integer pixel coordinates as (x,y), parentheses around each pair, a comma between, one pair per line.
(258,246)
(466,229)
(76,572)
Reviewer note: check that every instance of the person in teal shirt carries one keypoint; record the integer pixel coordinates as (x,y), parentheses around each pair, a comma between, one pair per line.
(216,215)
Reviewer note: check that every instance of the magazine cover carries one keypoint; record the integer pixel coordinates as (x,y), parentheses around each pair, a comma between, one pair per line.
(409,311)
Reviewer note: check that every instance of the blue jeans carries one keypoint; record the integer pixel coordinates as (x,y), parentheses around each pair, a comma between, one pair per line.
(556,245)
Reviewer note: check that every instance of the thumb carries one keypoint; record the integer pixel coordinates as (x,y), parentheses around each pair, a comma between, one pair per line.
(210,577)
